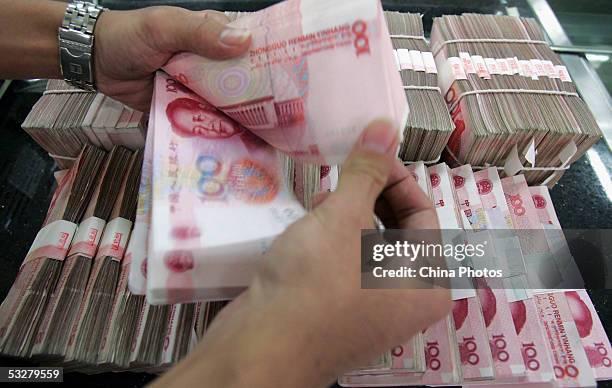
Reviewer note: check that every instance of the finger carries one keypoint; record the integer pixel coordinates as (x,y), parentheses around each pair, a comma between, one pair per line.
(365,171)
(404,196)
(401,198)
(383,208)
(204,33)
(385,214)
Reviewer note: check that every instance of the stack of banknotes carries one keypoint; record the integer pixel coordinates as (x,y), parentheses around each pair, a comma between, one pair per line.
(508,93)
(498,336)
(64,306)
(289,91)
(210,165)
(135,241)
(24,305)
(510,96)
(70,304)
(65,119)
(87,317)
(429,124)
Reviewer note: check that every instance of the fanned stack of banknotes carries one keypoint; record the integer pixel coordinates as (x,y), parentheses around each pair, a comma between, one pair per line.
(135,240)
(65,119)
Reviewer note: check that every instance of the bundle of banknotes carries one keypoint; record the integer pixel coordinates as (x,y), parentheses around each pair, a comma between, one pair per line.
(510,97)
(23,307)
(86,317)
(204,185)
(497,335)
(65,119)
(64,306)
(306,180)
(70,304)
(429,124)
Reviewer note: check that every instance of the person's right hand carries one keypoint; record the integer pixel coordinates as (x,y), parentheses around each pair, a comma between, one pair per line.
(305,319)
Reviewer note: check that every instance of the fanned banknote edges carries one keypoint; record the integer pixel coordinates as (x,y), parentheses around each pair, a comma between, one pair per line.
(210,178)
(290,92)
(65,119)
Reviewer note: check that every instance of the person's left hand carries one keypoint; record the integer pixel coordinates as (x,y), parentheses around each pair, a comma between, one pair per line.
(131,45)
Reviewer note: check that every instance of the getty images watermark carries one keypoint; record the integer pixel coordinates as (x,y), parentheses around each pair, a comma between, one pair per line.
(509,258)
(410,250)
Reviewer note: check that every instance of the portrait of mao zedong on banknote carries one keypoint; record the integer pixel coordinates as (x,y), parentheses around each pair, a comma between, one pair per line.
(191,117)
(249,179)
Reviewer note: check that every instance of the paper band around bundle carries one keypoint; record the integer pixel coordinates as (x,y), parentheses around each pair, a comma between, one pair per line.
(115,238)
(73,158)
(486,40)
(52,241)
(434,161)
(413,37)
(511,91)
(415,60)
(422,87)
(87,237)
(458,68)
(65,91)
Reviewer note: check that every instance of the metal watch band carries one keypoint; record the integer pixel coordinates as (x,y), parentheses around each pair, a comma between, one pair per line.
(76,42)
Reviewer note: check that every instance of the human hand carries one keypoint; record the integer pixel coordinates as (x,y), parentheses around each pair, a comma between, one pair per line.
(305,319)
(131,45)
(312,271)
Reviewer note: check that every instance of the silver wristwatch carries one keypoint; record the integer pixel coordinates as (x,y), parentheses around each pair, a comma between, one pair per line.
(76,41)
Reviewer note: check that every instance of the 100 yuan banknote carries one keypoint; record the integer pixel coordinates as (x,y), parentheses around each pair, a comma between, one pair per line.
(316,74)
(219,199)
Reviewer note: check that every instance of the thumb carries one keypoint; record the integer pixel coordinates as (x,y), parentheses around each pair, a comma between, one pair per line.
(204,33)
(367,168)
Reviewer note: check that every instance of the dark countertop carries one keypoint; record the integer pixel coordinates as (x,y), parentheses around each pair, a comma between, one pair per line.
(580,198)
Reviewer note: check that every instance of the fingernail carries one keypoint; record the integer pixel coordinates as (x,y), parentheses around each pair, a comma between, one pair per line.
(234,36)
(379,136)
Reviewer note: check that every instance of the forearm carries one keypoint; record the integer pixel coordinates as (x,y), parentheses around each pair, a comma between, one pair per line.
(28,38)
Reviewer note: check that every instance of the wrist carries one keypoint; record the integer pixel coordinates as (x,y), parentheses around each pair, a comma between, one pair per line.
(103,45)
(76,43)
(29,50)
